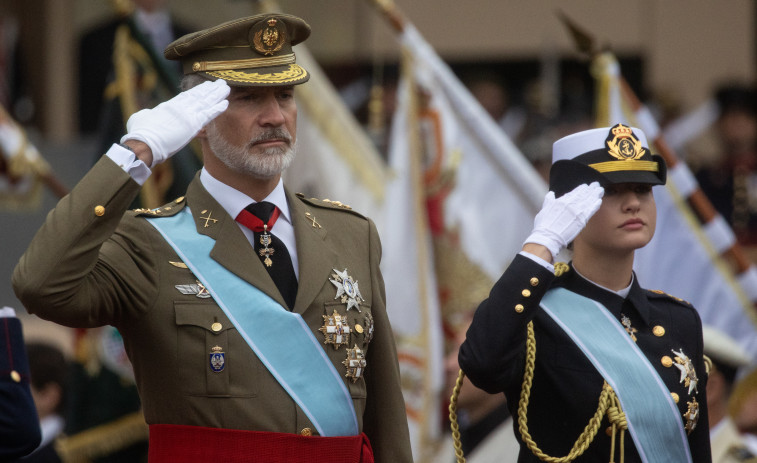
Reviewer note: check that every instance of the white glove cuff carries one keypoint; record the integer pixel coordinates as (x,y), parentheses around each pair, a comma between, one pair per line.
(547,239)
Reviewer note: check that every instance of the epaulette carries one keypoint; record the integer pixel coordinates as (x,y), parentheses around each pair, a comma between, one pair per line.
(166,210)
(328,204)
(658,294)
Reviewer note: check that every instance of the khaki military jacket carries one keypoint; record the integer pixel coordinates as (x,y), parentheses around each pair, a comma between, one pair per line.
(93,263)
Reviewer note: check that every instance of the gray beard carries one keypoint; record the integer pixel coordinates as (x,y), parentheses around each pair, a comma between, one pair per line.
(264,165)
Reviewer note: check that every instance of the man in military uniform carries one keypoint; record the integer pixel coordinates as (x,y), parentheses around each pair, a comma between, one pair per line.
(584,355)
(254,318)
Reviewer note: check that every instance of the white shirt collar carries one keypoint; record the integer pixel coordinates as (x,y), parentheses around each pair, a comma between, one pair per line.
(233,200)
(622,292)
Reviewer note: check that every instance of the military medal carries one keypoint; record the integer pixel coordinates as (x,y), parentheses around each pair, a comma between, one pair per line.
(355,363)
(691,415)
(217,359)
(347,289)
(254,223)
(336,330)
(198,289)
(368,328)
(627,324)
(266,251)
(688,375)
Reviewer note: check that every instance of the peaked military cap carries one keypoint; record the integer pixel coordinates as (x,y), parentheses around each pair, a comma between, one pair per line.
(610,155)
(251,51)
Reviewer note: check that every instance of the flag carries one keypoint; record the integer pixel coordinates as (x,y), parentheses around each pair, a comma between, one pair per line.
(686,257)
(459,204)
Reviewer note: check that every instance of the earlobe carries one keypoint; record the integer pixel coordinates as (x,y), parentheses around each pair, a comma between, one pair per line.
(202,134)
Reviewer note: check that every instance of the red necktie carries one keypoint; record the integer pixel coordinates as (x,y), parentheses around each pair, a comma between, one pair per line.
(260,218)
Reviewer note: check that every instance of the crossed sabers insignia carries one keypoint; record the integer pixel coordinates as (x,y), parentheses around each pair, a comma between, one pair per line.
(208,218)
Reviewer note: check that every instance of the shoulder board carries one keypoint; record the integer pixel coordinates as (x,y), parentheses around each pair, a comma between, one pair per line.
(658,294)
(328,204)
(166,210)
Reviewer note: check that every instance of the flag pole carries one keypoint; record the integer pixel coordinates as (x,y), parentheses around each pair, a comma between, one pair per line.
(700,204)
(391,13)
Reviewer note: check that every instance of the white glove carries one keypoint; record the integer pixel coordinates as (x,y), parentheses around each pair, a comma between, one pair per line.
(562,219)
(172,124)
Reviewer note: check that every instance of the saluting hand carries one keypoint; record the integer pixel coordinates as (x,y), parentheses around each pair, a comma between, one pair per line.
(172,124)
(562,219)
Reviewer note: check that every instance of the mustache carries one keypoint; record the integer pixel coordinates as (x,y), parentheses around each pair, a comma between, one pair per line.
(272,134)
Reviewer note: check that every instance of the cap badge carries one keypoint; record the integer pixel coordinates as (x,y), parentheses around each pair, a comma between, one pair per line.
(217,359)
(347,289)
(623,144)
(336,330)
(688,375)
(270,38)
(355,363)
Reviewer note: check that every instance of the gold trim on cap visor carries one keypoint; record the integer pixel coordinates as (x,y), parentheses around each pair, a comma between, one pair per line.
(619,166)
(243,63)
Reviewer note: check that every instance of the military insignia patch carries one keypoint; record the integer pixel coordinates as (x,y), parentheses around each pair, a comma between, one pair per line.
(691,415)
(355,363)
(347,289)
(623,144)
(217,359)
(688,375)
(198,289)
(336,330)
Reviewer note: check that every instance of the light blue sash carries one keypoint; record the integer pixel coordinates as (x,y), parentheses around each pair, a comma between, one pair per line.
(281,339)
(653,418)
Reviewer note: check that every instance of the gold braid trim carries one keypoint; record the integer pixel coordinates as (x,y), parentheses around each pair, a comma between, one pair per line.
(607,400)
(102,440)
(453,418)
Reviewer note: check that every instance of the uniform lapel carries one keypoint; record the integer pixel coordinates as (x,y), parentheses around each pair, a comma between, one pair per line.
(316,258)
(231,249)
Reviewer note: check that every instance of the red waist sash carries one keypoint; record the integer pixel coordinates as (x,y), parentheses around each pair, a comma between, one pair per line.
(184,444)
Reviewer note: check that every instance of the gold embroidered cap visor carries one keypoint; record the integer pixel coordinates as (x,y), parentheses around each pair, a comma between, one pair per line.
(251,51)
(607,165)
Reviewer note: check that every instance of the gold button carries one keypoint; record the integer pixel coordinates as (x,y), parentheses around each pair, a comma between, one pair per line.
(15,376)
(519,308)
(306,432)
(526,293)
(674,396)
(196,66)
(359,328)
(658,331)
(99,211)
(534,281)
(179,199)
(216,327)
(667,362)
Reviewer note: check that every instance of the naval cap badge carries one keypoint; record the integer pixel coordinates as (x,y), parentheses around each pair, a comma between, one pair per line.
(623,144)
(347,289)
